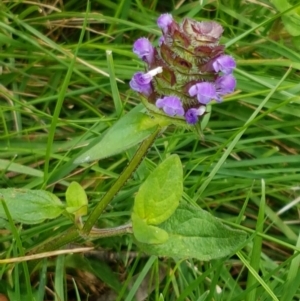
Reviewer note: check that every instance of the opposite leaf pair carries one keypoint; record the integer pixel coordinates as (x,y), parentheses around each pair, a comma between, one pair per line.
(165,226)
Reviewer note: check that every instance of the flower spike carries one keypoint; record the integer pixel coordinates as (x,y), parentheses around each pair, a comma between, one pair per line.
(187,70)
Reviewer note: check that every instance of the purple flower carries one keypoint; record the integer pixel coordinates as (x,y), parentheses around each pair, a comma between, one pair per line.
(225,84)
(164,21)
(144,50)
(224,63)
(171,105)
(141,82)
(205,92)
(161,40)
(187,70)
(192,114)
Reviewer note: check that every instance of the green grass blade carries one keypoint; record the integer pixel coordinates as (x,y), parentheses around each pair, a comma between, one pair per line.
(257,277)
(292,284)
(140,278)
(60,100)
(59,281)
(113,83)
(257,246)
(236,139)
(20,250)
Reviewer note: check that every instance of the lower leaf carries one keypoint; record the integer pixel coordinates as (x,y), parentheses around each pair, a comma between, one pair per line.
(145,233)
(30,206)
(195,233)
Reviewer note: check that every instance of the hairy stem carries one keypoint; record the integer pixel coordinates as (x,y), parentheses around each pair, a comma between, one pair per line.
(109,232)
(125,175)
(73,233)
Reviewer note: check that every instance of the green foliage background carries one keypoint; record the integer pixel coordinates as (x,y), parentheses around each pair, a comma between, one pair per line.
(60,89)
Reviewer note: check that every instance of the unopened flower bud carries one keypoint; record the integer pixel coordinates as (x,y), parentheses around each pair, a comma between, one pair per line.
(144,50)
(164,21)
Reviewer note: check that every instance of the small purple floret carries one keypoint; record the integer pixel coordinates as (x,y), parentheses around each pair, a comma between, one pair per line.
(224,63)
(191,116)
(164,21)
(161,40)
(171,105)
(144,50)
(225,84)
(190,45)
(141,82)
(205,92)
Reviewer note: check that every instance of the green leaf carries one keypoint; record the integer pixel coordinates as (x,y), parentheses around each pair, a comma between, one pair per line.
(159,195)
(130,130)
(76,199)
(30,206)
(194,233)
(146,233)
(19,168)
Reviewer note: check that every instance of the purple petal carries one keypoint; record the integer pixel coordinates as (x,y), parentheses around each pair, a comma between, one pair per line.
(192,114)
(164,21)
(161,40)
(225,84)
(171,105)
(141,83)
(193,91)
(144,50)
(224,63)
(204,91)
(160,103)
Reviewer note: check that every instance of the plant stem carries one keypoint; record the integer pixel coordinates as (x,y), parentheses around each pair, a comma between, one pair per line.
(125,175)
(109,232)
(68,236)
(73,234)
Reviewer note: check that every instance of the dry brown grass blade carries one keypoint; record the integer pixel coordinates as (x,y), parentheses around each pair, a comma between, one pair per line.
(44,255)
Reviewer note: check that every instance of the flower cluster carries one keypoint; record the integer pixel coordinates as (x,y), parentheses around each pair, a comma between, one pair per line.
(187,71)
